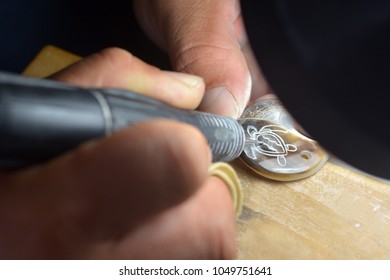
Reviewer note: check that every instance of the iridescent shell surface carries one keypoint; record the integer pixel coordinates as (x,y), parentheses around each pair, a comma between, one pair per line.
(274,147)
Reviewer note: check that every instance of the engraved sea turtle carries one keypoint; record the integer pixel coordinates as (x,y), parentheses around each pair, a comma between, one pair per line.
(268,142)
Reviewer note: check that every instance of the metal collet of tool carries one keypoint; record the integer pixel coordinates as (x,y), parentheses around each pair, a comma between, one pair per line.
(40,119)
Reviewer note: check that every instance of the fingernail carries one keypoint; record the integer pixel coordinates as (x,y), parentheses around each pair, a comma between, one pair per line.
(229,176)
(188,79)
(220,101)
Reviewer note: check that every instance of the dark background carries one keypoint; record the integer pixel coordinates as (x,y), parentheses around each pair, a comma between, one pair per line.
(81,27)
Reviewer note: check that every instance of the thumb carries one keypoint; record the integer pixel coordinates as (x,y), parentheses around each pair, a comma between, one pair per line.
(200,37)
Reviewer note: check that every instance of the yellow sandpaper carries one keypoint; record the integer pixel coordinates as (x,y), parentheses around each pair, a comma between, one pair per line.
(48,61)
(227,174)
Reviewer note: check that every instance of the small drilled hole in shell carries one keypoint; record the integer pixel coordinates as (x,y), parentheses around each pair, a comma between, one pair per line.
(306,155)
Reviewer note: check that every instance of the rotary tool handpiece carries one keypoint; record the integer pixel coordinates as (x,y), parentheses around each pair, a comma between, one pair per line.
(40,119)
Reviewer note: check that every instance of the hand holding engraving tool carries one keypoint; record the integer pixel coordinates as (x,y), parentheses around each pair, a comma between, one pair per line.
(41,119)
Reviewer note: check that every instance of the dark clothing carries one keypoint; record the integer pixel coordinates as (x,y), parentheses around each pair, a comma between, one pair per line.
(81,27)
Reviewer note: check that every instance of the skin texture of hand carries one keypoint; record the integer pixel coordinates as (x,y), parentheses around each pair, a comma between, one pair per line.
(207,38)
(139,193)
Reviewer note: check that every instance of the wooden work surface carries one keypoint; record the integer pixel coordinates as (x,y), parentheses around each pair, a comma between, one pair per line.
(335,214)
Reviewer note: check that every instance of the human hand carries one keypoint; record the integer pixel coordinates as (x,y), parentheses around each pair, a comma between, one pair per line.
(207,38)
(140,193)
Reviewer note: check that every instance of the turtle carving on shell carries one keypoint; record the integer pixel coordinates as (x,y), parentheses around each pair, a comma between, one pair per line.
(274,146)
(268,142)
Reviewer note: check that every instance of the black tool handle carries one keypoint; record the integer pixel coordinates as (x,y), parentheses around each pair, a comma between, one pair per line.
(40,119)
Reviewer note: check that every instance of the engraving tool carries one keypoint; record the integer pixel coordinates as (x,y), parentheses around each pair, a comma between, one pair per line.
(40,119)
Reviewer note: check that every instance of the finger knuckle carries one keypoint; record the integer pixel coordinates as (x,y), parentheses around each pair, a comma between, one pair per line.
(114,56)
